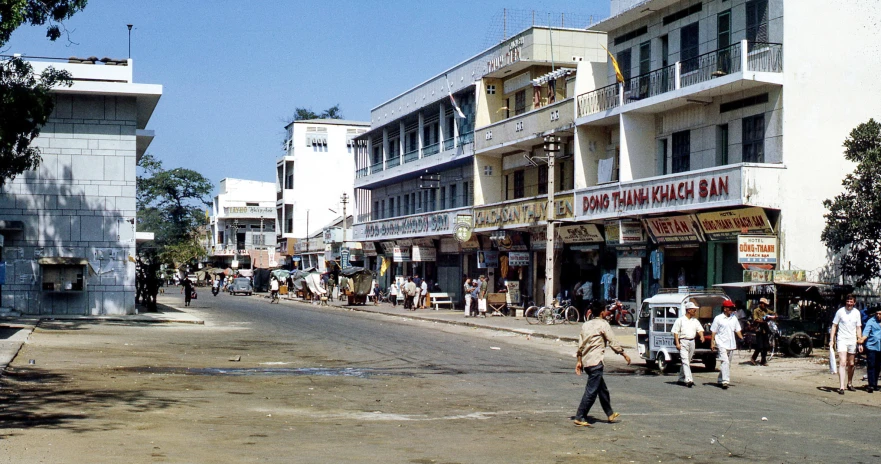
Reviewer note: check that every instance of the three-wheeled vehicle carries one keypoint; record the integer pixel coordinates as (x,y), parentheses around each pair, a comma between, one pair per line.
(654,339)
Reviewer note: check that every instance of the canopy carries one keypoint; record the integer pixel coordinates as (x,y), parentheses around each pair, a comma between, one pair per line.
(281,274)
(246,272)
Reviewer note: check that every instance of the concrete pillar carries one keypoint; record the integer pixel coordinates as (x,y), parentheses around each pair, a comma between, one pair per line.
(385,147)
(637,146)
(442,126)
(419,132)
(401,129)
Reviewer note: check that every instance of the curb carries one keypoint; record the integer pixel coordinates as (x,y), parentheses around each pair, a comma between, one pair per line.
(9,348)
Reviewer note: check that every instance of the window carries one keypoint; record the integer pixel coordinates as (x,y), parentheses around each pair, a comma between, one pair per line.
(377,155)
(520,102)
(491,89)
(754,139)
(757,21)
(419,203)
(543,180)
(681,151)
(685,12)
(432,199)
(251,204)
(63,277)
(376,214)
(391,207)
(623,59)
(662,157)
(399,206)
(688,47)
(453,202)
(382,210)
(645,64)
(258,239)
(722,145)
(407,203)
(289,181)
(487,170)
(519,184)
(723,40)
(466,195)
(443,198)
(631,35)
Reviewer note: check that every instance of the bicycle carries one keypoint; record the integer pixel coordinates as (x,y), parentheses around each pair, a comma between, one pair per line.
(564,313)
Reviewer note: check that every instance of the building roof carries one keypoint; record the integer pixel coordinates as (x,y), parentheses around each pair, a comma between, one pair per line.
(334,122)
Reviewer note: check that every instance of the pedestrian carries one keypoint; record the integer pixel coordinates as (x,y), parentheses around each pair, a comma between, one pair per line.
(417,280)
(467,288)
(411,294)
(724,328)
(761,315)
(273,288)
(481,296)
(423,294)
(685,329)
(377,294)
(393,293)
(871,341)
(188,290)
(846,330)
(595,335)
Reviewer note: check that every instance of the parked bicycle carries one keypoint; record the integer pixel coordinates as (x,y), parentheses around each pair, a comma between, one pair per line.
(562,312)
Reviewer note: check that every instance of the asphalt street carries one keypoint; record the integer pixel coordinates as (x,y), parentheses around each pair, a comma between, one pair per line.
(310,384)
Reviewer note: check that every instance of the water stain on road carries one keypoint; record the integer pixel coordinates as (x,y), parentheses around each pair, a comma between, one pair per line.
(272,371)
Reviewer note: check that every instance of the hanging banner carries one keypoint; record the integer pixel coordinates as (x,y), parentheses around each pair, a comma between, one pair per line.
(582,233)
(538,238)
(487,259)
(512,241)
(423,254)
(674,229)
(727,225)
(756,249)
(518,258)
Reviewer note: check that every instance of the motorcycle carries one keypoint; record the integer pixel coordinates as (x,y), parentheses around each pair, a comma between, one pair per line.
(620,314)
(215,290)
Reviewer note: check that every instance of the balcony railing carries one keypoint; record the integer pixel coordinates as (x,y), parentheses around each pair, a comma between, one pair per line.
(710,65)
(760,57)
(392,162)
(449,144)
(431,149)
(410,156)
(361,172)
(601,99)
(376,167)
(466,138)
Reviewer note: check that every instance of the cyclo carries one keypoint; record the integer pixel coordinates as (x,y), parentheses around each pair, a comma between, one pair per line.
(654,339)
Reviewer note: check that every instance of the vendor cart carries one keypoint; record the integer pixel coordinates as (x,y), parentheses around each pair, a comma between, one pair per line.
(360,284)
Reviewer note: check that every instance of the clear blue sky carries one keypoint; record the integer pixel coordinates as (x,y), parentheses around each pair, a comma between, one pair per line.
(233,71)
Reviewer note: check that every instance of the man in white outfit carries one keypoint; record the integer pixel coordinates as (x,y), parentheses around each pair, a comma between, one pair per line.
(685,329)
(725,327)
(846,330)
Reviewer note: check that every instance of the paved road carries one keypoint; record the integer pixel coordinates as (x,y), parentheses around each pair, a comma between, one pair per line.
(326,385)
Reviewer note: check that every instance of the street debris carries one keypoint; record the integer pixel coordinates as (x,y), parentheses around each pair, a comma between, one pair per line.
(236,358)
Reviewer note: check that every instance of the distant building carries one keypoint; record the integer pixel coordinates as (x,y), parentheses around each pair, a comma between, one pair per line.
(67,233)
(317,168)
(243,224)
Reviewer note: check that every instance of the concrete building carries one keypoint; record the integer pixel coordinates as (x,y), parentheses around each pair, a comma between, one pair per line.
(67,234)
(423,166)
(243,224)
(726,133)
(318,167)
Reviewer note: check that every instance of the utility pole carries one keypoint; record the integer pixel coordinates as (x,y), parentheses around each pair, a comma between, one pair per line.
(551,146)
(344,200)
(129,40)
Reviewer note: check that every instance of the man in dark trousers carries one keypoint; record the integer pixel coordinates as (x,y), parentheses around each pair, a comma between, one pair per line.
(595,335)
(188,290)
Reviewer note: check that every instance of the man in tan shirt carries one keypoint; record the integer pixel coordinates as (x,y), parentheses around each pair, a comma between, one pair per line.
(595,334)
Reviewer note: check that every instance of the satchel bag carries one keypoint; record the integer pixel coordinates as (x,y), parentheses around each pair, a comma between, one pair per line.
(194,295)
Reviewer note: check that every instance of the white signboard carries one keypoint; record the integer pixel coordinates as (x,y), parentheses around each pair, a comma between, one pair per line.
(518,258)
(752,249)
(423,254)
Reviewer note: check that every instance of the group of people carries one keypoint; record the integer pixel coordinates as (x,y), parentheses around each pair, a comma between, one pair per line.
(475,290)
(415,292)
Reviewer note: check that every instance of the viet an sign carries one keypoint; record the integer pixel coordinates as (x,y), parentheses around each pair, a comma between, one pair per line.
(518,258)
(756,249)
(674,229)
(702,189)
(582,233)
(728,225)
(520,213)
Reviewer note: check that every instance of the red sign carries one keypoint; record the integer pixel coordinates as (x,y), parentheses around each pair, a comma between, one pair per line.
(655,196)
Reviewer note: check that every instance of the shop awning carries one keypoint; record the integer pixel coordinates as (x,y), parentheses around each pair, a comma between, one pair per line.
(780,284)
(62,261)
(246,272)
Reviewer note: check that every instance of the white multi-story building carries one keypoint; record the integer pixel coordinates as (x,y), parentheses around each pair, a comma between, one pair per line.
(242,222)
(729,122)
(67,228)
(317,168)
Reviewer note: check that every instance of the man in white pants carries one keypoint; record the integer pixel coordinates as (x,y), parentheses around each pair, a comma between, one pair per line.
(467,288)
(685,329)
(725,327)
(846,330)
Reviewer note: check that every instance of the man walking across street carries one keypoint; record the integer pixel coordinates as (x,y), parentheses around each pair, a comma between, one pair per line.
(595,335)
(761,315)
(846,330)
(481,296)
(872,345)
(685,329)
(725,327)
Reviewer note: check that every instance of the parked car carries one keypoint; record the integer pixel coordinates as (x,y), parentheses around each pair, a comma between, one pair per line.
(241,285)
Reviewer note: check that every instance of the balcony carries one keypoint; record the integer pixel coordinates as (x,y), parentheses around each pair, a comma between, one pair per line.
(431,149)
(361,172)
(707,75)
(377,167)
(392,162)
(449,144)
(455,152)
(521,132)
(411,156)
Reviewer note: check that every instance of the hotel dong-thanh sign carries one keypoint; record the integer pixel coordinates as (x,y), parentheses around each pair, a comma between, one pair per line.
(410,226)
(521,213)
(706,189)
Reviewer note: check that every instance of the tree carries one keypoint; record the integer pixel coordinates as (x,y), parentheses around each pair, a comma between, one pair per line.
(170,202)
(25,100)
(853,223)
(301,114)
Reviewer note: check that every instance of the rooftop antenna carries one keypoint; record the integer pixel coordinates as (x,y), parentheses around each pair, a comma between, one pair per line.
(129,41)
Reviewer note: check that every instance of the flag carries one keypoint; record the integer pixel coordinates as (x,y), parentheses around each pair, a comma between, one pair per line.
(618,75)
(384,266)
(453,100)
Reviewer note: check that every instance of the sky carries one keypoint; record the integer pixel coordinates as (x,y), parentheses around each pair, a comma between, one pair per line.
(234,71)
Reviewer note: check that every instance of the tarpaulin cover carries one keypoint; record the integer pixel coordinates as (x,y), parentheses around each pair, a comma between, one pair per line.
(261,280)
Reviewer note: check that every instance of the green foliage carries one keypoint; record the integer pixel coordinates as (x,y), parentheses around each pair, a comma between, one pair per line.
(301,114)
(853,223)
(184,252)
(25,105)
(170,203)
(25,100)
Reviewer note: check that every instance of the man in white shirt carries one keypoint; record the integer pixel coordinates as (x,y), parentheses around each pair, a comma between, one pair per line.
(846,330)
(725,327)
(685,329)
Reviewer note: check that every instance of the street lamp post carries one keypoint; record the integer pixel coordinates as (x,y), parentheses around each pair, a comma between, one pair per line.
(129,40)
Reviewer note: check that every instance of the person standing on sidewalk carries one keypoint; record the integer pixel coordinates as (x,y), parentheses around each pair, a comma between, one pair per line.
(412,294)
(188,290)
(761,315)
(595,335)
(845,333)
(481,296)
(685,329)
(423,294)
(725,327)
(467,288)
(871,341)
(393,293)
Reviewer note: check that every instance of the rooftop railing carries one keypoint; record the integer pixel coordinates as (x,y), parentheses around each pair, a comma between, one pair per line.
(601,99)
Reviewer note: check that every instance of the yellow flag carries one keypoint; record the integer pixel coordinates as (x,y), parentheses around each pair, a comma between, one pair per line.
(384,266)
(618,75)
(207,215)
